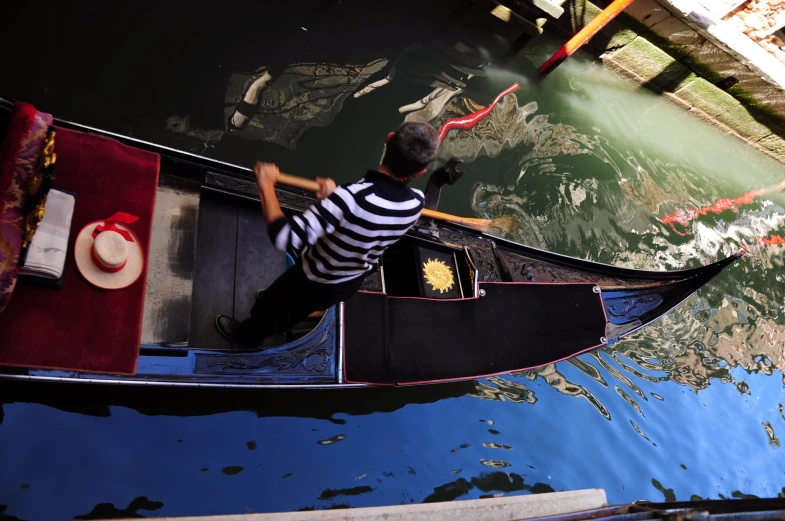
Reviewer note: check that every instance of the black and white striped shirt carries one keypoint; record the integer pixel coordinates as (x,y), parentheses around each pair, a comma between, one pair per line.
(341,237)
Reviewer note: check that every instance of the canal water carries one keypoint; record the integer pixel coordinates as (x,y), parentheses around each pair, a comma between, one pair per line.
(582,163)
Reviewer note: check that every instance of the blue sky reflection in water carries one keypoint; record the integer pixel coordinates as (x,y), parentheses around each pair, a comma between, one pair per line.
(546,435)
(692,406)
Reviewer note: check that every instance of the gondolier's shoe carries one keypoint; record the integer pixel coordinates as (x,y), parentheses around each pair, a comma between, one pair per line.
(231,329)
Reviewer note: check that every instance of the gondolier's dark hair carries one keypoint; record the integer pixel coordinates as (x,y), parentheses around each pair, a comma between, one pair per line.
(410,149)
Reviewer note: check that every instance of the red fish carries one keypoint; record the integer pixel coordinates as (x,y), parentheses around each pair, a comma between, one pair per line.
(772,239)
(469,121)
(684,217)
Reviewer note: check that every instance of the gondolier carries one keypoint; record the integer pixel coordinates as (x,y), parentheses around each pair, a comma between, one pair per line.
(340,238)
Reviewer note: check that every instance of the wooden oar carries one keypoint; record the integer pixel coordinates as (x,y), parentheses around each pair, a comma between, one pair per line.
(584,35)
(308,185)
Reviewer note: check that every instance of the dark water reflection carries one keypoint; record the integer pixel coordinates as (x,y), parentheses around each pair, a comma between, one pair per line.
(139,507)
(584,164)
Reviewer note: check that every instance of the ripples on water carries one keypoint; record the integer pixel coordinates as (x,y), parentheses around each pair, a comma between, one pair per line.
(690,407)
(603,196)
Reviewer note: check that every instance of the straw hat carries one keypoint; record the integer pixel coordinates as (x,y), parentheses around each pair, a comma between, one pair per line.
(108,253)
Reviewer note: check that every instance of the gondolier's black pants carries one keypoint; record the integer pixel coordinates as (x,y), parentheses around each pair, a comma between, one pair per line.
(290,299)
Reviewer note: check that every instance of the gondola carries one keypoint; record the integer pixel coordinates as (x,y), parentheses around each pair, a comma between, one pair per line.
(446,303)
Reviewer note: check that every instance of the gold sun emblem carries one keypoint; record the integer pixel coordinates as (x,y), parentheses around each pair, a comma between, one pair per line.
(438,275)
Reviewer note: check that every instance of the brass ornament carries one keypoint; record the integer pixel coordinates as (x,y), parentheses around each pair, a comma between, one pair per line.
(35,183)
(49,150)
(438,275)
(32,221)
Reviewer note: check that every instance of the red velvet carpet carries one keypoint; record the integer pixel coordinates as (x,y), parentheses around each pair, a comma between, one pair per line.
(81,327)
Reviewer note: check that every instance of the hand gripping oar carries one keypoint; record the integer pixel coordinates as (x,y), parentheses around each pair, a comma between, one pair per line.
(482,225)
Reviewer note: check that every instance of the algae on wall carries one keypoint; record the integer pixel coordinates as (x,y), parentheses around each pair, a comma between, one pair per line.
(635,45)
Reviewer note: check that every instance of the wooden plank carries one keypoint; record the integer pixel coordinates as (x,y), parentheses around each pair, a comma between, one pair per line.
(258,262)
(167,303)
(214,270)
(528,506)
(721,8)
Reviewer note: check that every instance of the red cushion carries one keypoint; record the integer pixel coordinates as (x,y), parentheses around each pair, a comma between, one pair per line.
(81,327)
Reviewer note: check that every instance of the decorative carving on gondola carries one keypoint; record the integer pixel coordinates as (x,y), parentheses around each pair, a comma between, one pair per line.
(542,272)
(231,183)
(632,307)
(309,358)
(241,186)
(484,256)
(313,358)
(524,269)
(293,200)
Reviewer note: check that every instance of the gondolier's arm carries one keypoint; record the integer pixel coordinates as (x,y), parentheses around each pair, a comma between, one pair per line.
(266,178)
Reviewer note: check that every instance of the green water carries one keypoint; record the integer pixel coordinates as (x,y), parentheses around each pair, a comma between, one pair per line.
(689,407)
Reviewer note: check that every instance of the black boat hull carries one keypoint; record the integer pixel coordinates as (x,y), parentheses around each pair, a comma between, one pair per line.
(615,301)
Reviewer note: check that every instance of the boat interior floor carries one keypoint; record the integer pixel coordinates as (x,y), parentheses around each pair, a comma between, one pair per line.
(210,254)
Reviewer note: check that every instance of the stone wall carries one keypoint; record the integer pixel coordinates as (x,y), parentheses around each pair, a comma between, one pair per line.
(761,20)
(658,49)
(707,58)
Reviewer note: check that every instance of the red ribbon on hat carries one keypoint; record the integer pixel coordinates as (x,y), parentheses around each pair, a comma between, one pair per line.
(110,225)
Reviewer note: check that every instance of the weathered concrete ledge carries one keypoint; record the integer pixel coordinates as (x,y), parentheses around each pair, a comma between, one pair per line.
(656,48)
(492,509)
(727,34)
